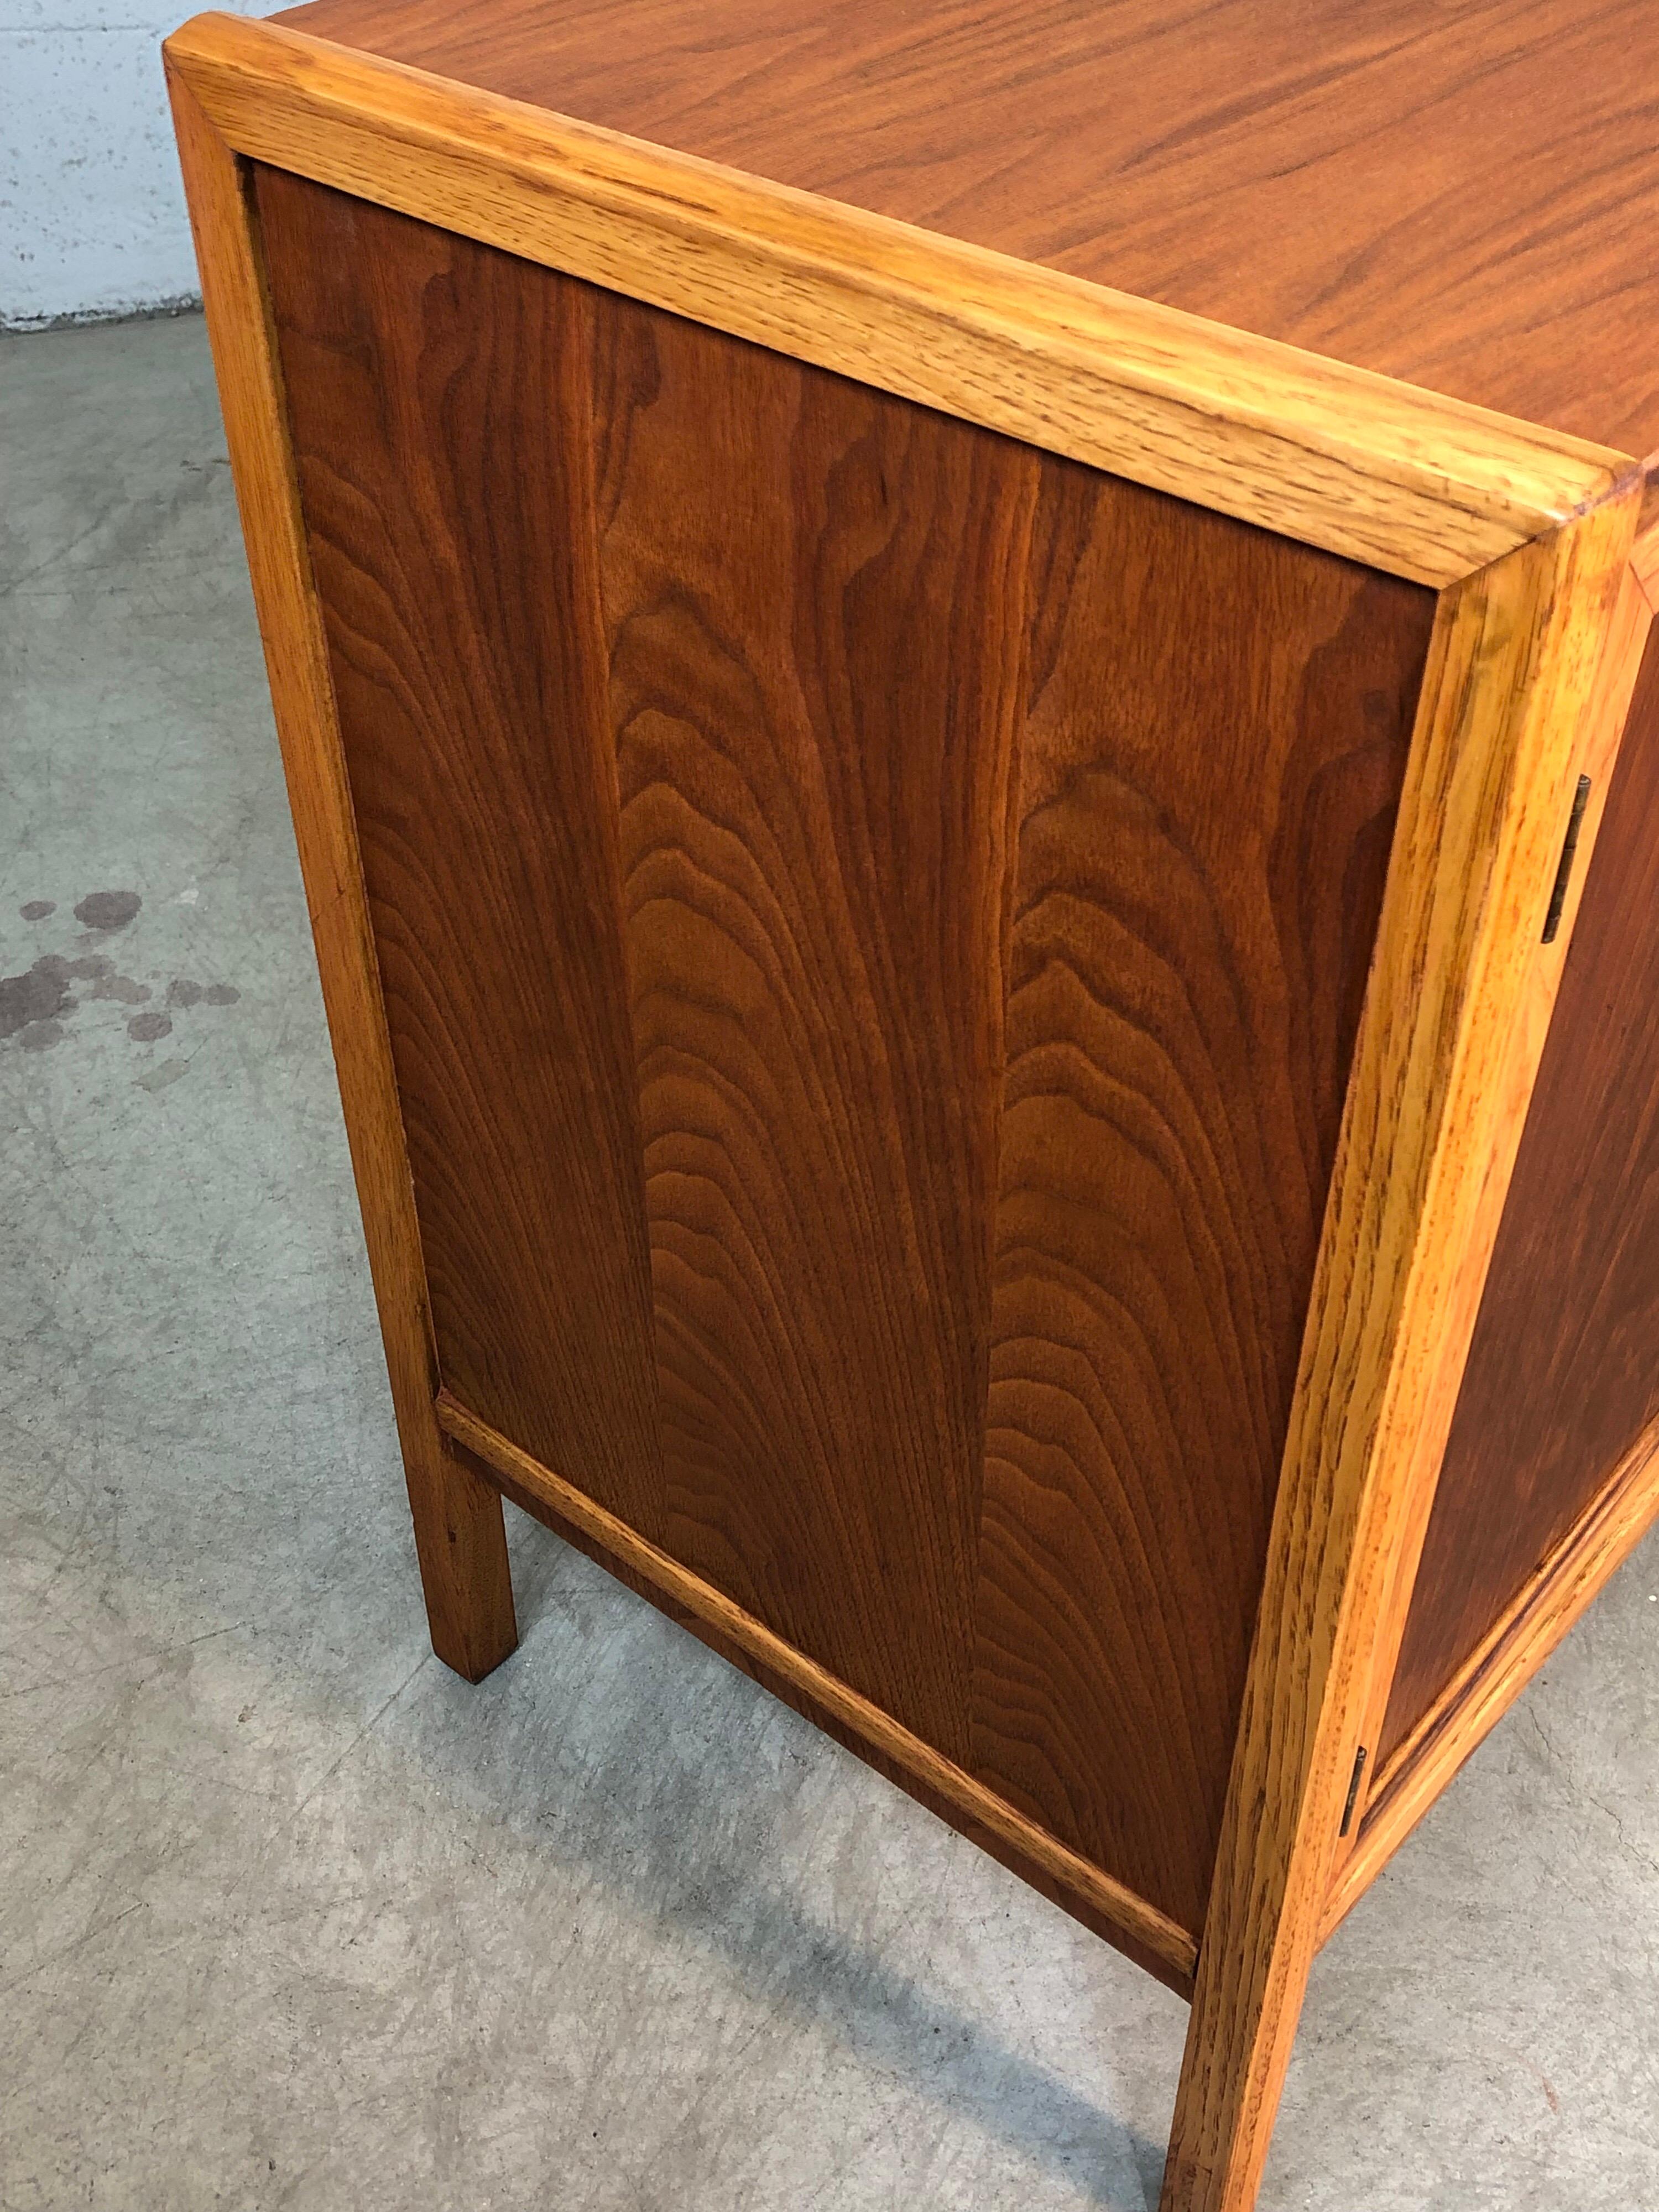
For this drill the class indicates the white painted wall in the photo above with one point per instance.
(92, 218)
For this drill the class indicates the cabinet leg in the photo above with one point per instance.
(461, 1541)
(1245, 2009)
(459, 1531)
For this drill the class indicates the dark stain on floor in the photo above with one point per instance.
(181, 992)
(35, 1005)
(39, 995)
(111, 985)
(107, 909)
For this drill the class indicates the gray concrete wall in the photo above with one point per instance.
(92, 216)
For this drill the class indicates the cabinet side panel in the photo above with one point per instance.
(1213, 753)
(1563, 1374)
(815, 595)
(872, 920)
(441, 421)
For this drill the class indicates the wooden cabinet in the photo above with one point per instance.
(950, 707)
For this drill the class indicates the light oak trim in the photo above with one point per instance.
(1143, 1924)
(1418, 485)
(1601, 730)
(1444, 1069)
(1479, 1696)
(1644, 564)
(460, 1535)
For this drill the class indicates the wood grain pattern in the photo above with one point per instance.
(1424, 486)
(458, 1535)
(1172, 1964)
(1206, 813)
(1601, 727)
(1645, 553)
(1117, 1907)
(1519, 1642)
(816, 597)
(442, 423)
(692, 863)
(1564, 1369)
(1464, 197)
(722, 896)
(1442, 1072)
(739, 1035)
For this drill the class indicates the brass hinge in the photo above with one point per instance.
(1564, 873)
(1353, 1790)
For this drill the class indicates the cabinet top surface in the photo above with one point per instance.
(1461, 196)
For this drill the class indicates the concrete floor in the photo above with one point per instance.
(289, 1916)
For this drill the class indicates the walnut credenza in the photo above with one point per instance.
(953, 679)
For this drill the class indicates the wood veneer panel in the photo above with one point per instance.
(816, 602)
(797, 737)
(1104, 1905)
(1463, 198)
(1563, 1373)
(1214, 752)
(1174, 1975)
(441, 419)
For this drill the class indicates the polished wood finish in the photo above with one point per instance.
(1645, 554)
(941, 1030)
(1172, 1964)
(1461, 198)
(815, 597)
(1482, 1691)
(1116, 1908)
(1206, 812)
(1601, 733)
(459, 1533)
(1442, 1072)
(926, 872)
(1563, 1374)
(1421, 486)
(452, 544)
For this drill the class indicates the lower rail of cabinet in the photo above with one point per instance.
(1111, 1910)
